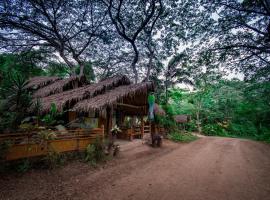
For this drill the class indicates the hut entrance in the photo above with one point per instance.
(130, 119)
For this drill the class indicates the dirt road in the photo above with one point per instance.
(209, 168)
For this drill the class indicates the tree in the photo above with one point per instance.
(130, 18)
(69, 28)
(240, 36)
(177, 71)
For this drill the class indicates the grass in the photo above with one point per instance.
(182, 137)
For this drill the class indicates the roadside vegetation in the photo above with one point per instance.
(228, 108)
(182, 137)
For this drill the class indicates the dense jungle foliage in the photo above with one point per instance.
(227, 108)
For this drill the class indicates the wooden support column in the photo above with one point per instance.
(142, 126)
(109, 116)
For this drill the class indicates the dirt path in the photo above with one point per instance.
(209, 168)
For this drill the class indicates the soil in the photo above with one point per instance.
(208, 168)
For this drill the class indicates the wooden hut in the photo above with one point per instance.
(112, 101)
(181, 120)
(98, 107)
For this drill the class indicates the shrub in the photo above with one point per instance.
(53, 159)
(182, 137)
(166, 121)
(191, 126)
(245, 129)
(264, 135)
(24, 166)
(4, 147)
(95, 152)
(214, 129)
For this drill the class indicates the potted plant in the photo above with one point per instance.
(115, 130)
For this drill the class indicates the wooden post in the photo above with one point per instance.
(142, 127)
(109, 113)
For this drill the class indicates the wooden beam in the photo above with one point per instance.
(130, 106)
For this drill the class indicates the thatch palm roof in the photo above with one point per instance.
(71, 97)
(40, 81)
(112, 97)
(181, 118)
(60, 86)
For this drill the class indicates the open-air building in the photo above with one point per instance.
(112, 101)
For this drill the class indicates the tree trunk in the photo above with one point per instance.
(134, 62)
(198, 122)
(109, 115)
(70, 65)
(81, 65)
(150, 63)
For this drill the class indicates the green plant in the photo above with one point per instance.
(214, 129)
(27, 127)
(167, 122)
(24, 166)
(243, 129)
(191, 126)
(263, 135)
(95, 152)
(50, 118)
(53, 159)
(46, 135)
(4, 147)
(115, 130)
(182, 137)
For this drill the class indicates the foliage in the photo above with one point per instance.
(4, 147)
(51, 118)
(214, 129)
(263, 135)
(23, 166)
(115, 130)
(95, 152)
(225, 108)
(53, 159)
(16, 100)
(191, 126)
(46, 135)
(182, 137)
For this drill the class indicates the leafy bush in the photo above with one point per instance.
(24, 166)
(95, 152)
(167, 122)
(264, 135)
(53, 159)
(191, 126)
(4, 147)
(214, 129)
(182, 137)
(246, 129)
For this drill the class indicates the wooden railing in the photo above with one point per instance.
(24, 145)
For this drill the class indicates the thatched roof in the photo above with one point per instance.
(181, 118)
(73, 96)
(112, 97)
(158, 110)
(40, 81)
(60, 86)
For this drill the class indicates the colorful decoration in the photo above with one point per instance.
(151, 102)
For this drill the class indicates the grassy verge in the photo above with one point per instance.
(182, 137)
